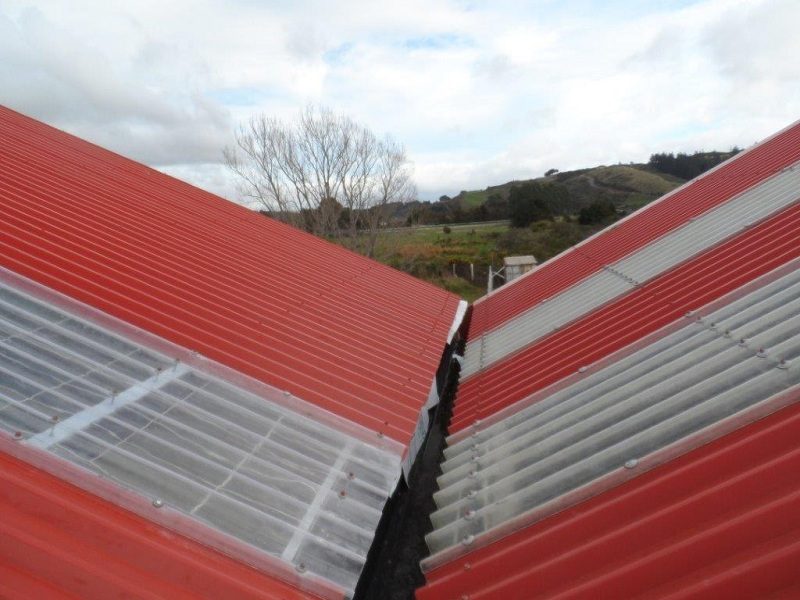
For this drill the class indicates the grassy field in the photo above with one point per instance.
(474, 198)
(442, 255)
(629, 187)
(430, 253)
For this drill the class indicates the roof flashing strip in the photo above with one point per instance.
(118, 413)
(423, 420)
(461, 311)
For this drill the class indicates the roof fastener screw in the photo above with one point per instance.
(631, 463)
(743, 342)
(158, 503)
(287, 393)
(783, 364)
(351, 475)
(472, 474)
(17, 435)
(342, 495)
(380, 434)
(761, 353)
(472, 493)
(300, 567)
(467, 566)
(467, 540)
(582, 369)
(469, 515)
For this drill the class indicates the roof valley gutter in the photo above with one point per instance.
(392, 570)
(436, 392)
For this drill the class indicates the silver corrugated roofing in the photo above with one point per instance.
(702, 374)
(616, 279)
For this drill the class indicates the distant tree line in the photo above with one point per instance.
(689, 166)
(524, 204)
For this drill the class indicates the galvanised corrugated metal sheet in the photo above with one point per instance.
(723, 363)
(614, 280)
(336, 329)
(720, 522)
(696, 282)
(707, 191)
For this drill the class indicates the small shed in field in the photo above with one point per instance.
(516, 266)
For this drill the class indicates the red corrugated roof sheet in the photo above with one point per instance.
(673, 210)
(700, 280)
(717, 522)
(57, 541)
(334, 328)
(722, 521)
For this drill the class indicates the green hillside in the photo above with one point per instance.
(454, 241)
(629, 187)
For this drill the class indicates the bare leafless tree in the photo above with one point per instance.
(323, 171)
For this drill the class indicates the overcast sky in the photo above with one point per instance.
(479, 92)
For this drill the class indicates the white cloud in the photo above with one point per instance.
(480, 92)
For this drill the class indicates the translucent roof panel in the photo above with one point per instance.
(267, 469)
(614, 280)
(689, 384)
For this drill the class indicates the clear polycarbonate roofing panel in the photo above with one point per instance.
(544, 318)
(620, 277)
(268, 473)
(752, 206)
(692, 381)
